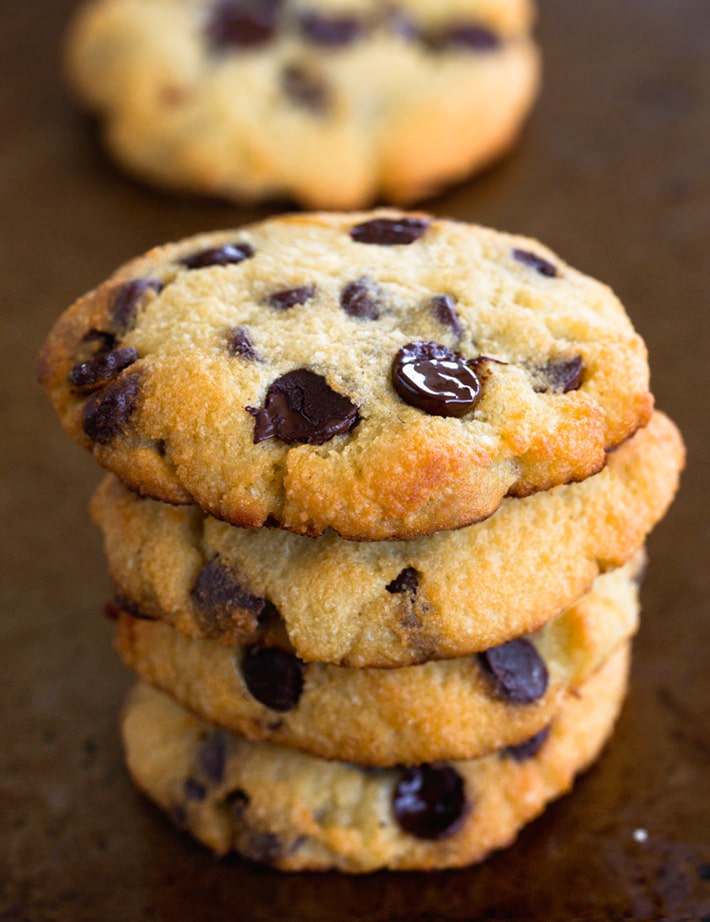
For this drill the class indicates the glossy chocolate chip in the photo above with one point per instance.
(305, 88)
(529, 748)
(389, 231)
(212, 757)
(221, 602)
(330, 31)
(533, 261)
(127, 299)
(273, 676)
(432, 378)
(469, 35)
(301, 407)
(429, 801)
(561, 375)
(290, 297)
(227, 255)
(102, 368)
(242, 23)
(516, 671)
(405, 581)
(444, 309)
(361, 298)
(239, 343)
(106, 413)
(194, 790)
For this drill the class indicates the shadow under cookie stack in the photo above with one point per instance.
(378, 496)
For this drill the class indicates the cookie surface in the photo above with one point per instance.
(296, 812)
(445, 595)
(383, 375)
(451, 709)
(333, 104)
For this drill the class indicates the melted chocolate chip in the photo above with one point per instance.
(429, 802)
(444, 309)
(331, 31)
(102, 368)
(389, 231)
(221, 602)
(106, 413)
(469, 35)
(212, 757)
(273, 676)
(194, 790)
(529, 748)
(533, 261)
(516, 670)
(239, 343)
(561, 375)
(227, 255)
(290, 297)
(301, 407)
(127, 299)
(406, 581)
(305, 88)
(242, 23)
(432, 378)
(361, 299)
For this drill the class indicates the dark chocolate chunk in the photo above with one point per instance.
(194, 790)
(469, 35)
(429, 801)
(226, 255)
(106, 413)
(432, 378)
(212, 757)
(221, 602)
(239, 343)
(290, 297)
(102, 368)
(516, 671)
(444, 309)
(273, 676)
(389, 231)
(533, 261)
(331, 31)
(529, 748)
(127, 300)
(361, 298)
(305, 88)
(406, 581)
(561, 375)
(301, 406)
(242, 23)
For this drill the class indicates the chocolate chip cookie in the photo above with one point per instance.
(385, 375)
(331, 105)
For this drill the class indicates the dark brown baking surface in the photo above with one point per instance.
(613, 173)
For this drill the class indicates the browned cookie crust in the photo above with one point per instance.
(297, 812)
(380, 374)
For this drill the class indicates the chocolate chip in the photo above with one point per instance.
(305, 88)
(533, 261)
(470, 35)
(106, 413)
(273, 676)
(221, 602)
(227, 255)
(98, 341)
(429, 801)
(102, 368)
(212, 757)
(389, 231)
(301, 407)
(127, 299)
(516, 670)
(194, 790)
(361, 299)
(560, 375)
(237, 801)
(432, 378)
(406, 581)
(239, 343)
(529, 748)
(290, 297)
(444, 309)
(242, 23)
(331, 31)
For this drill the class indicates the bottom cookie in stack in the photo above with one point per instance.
(299, 812)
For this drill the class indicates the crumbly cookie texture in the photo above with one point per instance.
(450, 709)
(445, 595)
(332, 104)
(382, 374)
(297, 812)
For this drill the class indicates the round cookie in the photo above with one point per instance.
(446, 595)
(297, 812)
(333, 104)
(450, 709)
(380, 374)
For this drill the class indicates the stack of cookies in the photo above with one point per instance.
(380, 486)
